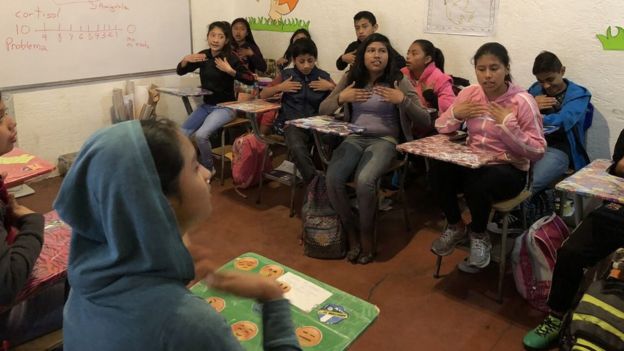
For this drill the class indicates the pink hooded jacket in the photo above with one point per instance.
(442, 85)
(518, 140)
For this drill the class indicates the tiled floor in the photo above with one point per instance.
(418, 312)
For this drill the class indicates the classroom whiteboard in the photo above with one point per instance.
(47, 41)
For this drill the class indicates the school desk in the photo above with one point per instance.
(251, 108)
(593, 180)
(185, 93)
(326, 125)
(51, 265)
(325, 318)
(21, 167)
(439, 147)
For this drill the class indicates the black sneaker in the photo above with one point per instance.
(514, 224)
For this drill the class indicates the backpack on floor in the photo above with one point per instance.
(322, 235)
(534, 256)
(247, 167)
(540, 205)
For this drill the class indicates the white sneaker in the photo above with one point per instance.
(480, 247)
(450, 237)
(466, 267)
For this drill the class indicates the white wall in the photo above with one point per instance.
(53, 121)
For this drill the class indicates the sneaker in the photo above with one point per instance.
(514, 225)
(385, 204)
(466, 267)
(445, 244)
(480, 247)
(544, 335)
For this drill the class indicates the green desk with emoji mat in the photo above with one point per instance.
(325, 318)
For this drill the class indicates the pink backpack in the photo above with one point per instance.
(534, 256)
(247, 168)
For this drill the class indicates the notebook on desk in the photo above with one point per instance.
(325, 318)
(22, 166)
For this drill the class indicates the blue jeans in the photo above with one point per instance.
(369, 158)
(204, 121)
(549, 168)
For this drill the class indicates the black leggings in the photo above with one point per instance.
(481, 187)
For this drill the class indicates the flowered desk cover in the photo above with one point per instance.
(594, 180)
(326, 124)
(51, 266)
(439, 147)
(325, 318)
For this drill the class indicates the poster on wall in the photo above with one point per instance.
(462, 17)
(275, 20)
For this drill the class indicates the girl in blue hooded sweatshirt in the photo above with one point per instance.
(132, 191)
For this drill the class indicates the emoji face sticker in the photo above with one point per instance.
(246, 263)
(285, 286)
(216, 302)
(271, 271)
(308, 336)
(244, 330)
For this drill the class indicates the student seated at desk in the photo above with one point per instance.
(21, 236)
(564, 105)
(375, 95)
(303, 88)
(365, 24)
(502, 118)
(285, 61)
(218, 68)
(425, 70)
(244, 46)
(128, 266)
(585, 247)
(18, 249)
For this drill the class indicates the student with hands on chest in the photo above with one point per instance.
(501, 118)
(376, 96)
(218, 68)
(303, 89)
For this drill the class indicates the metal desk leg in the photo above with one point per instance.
(578, 209)
(319, 147)
(187, 104)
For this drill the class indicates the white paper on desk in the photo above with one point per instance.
(303, 294)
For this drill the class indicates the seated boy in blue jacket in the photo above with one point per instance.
(564, 106)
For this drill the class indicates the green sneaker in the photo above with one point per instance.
(544, 335)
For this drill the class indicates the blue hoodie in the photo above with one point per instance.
(571, 117)
(128, 267)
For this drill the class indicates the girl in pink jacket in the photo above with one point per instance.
(425, 70)
(501, 118)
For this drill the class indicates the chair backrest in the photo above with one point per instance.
(459, 83)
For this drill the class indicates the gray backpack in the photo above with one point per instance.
(322, 235)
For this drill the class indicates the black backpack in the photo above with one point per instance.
(322, 235)
(597, 322)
